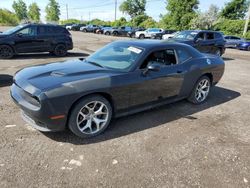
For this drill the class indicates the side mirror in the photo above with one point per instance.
(19, 34)
(155, 67)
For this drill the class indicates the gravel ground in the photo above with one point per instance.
(178, 145)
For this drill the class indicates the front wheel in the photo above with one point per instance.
(201, 90)
(6, 52)
(90, 117)
(218, 52)
(60, 50)
(142, 36)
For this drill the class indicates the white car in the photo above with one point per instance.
(147, 33)
(167, 36)
(69, 27)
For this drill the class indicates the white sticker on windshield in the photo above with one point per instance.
(135, 50)
(194, 33)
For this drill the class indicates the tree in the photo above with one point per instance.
(133, 7)
(180, 13)
(7, 18)
(20, 9)
(52, 11)
(34, 12)
(235, 9)
(207, 19)
(149, 23)
(136, 21)
(121, 22)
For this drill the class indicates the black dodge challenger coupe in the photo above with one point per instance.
(123, 77)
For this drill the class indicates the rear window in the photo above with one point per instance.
(210, 36)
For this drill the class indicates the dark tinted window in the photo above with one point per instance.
(183, 55)
(42, 30)
(217, 35)
(201, 36)
(235, 38)
(210, 36)
(28, 31)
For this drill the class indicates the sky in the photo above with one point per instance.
(104, 9)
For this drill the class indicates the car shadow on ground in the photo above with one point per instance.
(227, 58)
(5, 80)
(47, 55)
(151, 118)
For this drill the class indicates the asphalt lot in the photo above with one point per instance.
(178, 145)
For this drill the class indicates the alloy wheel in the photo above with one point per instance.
(92, 118)
(202, 90)
(6, 52)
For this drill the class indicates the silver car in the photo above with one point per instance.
(233, 41)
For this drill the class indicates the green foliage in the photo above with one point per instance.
(136, 21)
(20, 9)
(231, 27)
(53, 11)
(71, 21)
(180, 13)
(235, 9)
(149, 23)
(133, 7)
(206, 20)
(34, 12)
(7, 18)
(247, 36)
(121, 22)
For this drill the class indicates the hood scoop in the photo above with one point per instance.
(57, 74)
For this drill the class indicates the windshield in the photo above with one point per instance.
(13, 30)
(116, 56)
(189, 35)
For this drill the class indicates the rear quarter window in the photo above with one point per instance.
(219, 36)
(183, 55)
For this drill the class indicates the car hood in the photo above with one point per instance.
(44, 77)
(189, 42)
(3, 35)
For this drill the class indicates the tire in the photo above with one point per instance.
(248, 49)
(218, 52)
(142, 36)
(107, 33)
(84, 30)
(60, 50)
(83, 118)
(133, 36)
(6, 52)
(115, 34)
(197, 98)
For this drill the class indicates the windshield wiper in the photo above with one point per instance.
(94, 63)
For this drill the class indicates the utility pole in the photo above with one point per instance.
(115, 9)
(247, 22)
(67, 11)
(89, 15)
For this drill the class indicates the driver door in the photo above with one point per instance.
(150, 86)
(25, 40)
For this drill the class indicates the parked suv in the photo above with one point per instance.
(121, 31)
(30, 38)
(205, 41)
(160, 35)
(89, 28)
(233, 41)
(147, 33)
(76, 27)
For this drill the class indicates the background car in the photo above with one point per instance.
(121, 31)
(205, 41)
(76, 27)
(29, 38)
(233, 41)
(122, 78)
(107, 31)
(100, 30)
(89, 28)
(168, 36)
(68, 26)
(244, 45)
(131, 33)
(147, 33)
(160, 34)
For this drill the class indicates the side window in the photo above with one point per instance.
(201, 36)
(217, 36)
(235, 38)
(210, 36)
(122, 28)
(183, 55)
(42, 30)
(28, 31)
(164, 57)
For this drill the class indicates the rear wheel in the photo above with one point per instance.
(115, 33)
(6, 52)
(218, 52)
(60, 50)
(201, 90)
(90, 117)
(141, 36)
(107, 33)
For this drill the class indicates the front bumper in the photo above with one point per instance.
(38, 117)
